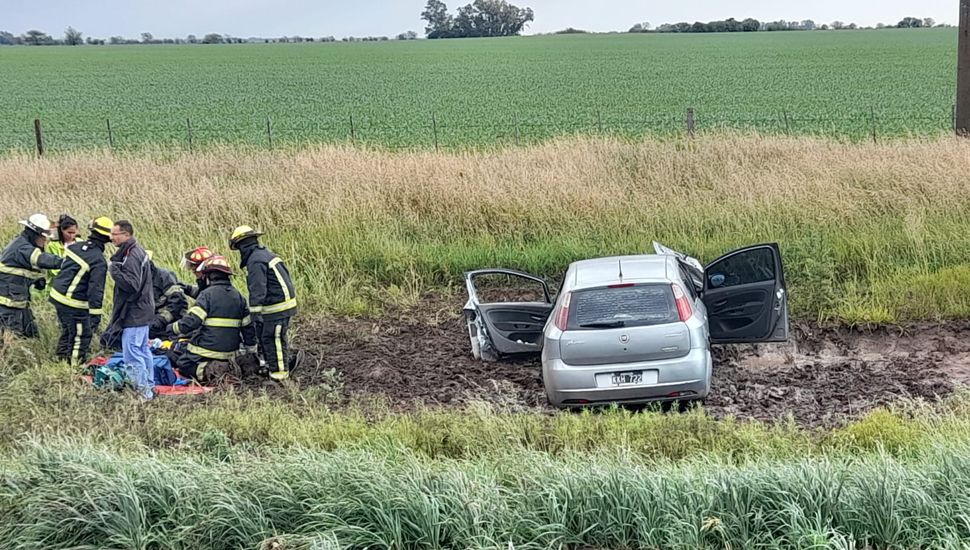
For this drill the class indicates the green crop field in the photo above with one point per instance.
(481, 92)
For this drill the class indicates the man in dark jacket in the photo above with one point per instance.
(218, 322)
(77, 292)
(21, 267)
(272, 298)
(134, 306)
(170, 301)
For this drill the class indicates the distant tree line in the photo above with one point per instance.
(481, 18)
(753, 25)
(73, 37)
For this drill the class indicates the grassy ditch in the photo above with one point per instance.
(78, 496)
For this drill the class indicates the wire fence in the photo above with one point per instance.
(51, 135)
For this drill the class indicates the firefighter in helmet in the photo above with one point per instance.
(22, 265)
(272, 298)
(218, 322)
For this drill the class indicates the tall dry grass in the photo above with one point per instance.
(870, 232)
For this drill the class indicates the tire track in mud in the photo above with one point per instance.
(421, 357)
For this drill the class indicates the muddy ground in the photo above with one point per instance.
(421, 357)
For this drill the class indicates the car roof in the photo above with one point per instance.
(605, 271)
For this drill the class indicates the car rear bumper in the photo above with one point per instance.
(684, 378)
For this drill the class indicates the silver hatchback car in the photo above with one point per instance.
(634, 329)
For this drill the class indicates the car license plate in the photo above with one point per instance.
(627, 378)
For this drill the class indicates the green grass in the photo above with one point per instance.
(898, 82)
(71, 495)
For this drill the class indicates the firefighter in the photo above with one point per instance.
(77, 292)
(170, 301)
(191, 260)
(272, 298)
(21, 266)
(219, 321)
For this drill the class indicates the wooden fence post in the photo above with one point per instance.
(188, 129)
(690, 122)
(515, 119)
(269, 131)
(111, 139)
(434, 127)
(872, 119)
(39, 136)
(353, 130)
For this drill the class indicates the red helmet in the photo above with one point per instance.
(193, 258)
(215, 264)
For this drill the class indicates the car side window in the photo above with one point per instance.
(744, 268)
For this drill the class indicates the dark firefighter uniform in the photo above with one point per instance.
(272, 301)
(170, 301)
(219, 321)
(21, 265)
(77, 293)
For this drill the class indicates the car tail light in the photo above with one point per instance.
(683, 303)
(563, 315)
(621, 285)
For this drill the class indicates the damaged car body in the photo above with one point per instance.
(634, 329)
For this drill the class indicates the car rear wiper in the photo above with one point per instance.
(604, 324)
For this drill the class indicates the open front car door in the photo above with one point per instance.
(502, 319)
(746, 296)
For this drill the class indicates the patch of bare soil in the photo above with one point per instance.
(421, 357)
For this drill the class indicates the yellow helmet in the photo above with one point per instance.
(101, 226)
(240, 234)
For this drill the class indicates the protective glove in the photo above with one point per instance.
(40, 284)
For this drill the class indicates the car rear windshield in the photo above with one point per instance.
(631, 306)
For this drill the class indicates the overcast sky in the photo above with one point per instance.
(272, 18)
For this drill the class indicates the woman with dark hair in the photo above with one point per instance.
(64, 234)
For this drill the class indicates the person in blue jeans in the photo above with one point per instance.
(134, 306)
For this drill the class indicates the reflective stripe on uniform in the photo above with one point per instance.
(174, 289)
(77, 280)
(98, 311)
(256, 309)
(279, 277)
(16, 304)
(208, 353)
(279, 347)
(69, 302)
(277, 308)
(20, 272)
(247, 320)
(76, 352)
(222, 322)
(198, 312)
(34, 256)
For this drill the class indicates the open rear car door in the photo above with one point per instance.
(502, 322)
(746, 297)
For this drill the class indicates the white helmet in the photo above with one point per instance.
(38, 223)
